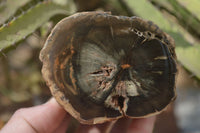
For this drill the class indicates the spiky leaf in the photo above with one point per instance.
(9, 7)
(29, 22)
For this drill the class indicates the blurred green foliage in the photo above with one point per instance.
(9, 7)
(17, 29)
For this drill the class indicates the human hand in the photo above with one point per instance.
(51, 118)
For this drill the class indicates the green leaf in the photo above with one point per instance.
(144, 9)
(192, 6)
(9, 8)
(29, 22)
(181, 15)
(189, 57)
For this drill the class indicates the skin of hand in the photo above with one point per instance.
(51, 118)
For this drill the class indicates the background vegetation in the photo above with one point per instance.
(25, 24)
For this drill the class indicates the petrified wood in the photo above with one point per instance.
(101, 67)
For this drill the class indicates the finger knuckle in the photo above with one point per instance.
(20, 112)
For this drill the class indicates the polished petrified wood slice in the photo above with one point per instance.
(101, 67)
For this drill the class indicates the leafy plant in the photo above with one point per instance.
(25, 24)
